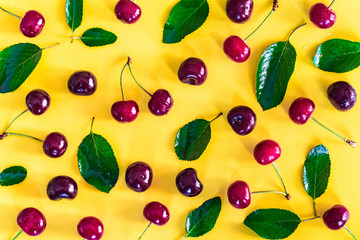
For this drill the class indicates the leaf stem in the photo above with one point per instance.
(267, 17)
(92, 123)
(18, 234)
(145, 231)
(332, 3)
(12, 14)
(132, 74)
(295, 30)
(24, 135)
(282, 193)
(350, 232)
(184, 237)
(51, 46)
(310, 219)
(348, 141)
(77, 38)
(7, 129)
(288, 197)
(121, 80)
(314, 205)
(220, 114)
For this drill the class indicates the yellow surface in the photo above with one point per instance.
(151, 139)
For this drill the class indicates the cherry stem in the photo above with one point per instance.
(288, 197)
(220, 114)
(310, 219)
(132, 74)
(51, 46)
(12, 14)
(145, 231)
(92, 123)
(121, 81)
(295, 30)
(282, 193)
(7, 129)
(348, 141)
(18, 234)
(24, 135)
(332, 3)
(350, 232)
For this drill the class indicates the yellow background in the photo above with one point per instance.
(151, 139)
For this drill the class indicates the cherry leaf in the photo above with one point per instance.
(74, 13)
(12, 175)
(96, 37)
(272, 223)
(16, 64)
(317, 171)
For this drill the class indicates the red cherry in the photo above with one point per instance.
(267, 151)
(336, 217)
(236, 49)
(322, 16)
(301, 109)
(239, 194)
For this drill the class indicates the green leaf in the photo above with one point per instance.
(317, 171)
(274, 70)
(97, 162)
(12, 175)
(185, 17)
(338, 55)
(95, 37)
(202, 220)
(74, 12)
(16, 64)
(272, 223)
(192, 139)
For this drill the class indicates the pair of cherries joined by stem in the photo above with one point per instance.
(265, 152)
(127, 111)
(31, 24)
(127, 11)
(37, 102)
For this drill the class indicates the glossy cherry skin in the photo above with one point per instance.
(236, 49)
(239, 11)
(37, 101)
(239, 194)
(32, 24)
(188, 184)
(242, 120)
(342, 95)
(139, 176)
(322, 16)
(301, 109)
(31, 221)
(82, 83)
(125, 111)
(55, 145)
(160, 103)
(192, 71)
(127, 11)
(336, 217)
(156, 213)
(90, 228)
(62, 187)
(267, 151)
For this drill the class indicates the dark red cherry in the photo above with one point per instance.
(242, 120)
(90, 228)
(192, 71)
(138, 176)
(342, 95)
(31, 221)
(82, 83)
(239, 194)
(125, 111)
(32, 24)
(267, 151)
(160, 103)
(236, 49)
(336, 217)
(127, 11)
(37, 101)
(55, 145)
(156, 213)
(239, 11)
(301, 109)
(188, 183)
(322, 16)
(62, 187)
